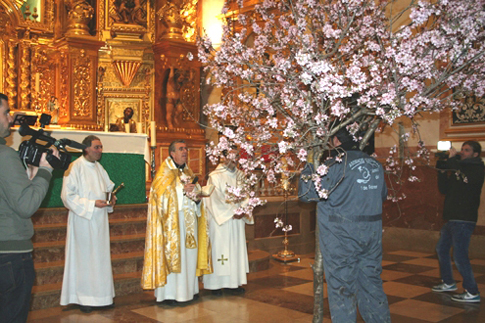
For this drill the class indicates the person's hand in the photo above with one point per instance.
(43, 159)
(453, 152)
(238, 216)
(113, 200)
(189, 187)
(101, 203)
(32, 171)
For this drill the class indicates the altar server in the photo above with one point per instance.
(227, 231)
(88, 277)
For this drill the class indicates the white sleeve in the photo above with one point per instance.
(70, 194)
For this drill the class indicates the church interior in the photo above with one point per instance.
(86, 62)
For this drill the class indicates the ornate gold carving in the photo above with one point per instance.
(188, 89)
(50, 15)
(189, 96)
(163, 61)
(43, 68)
(471, 109)
(126, 70)
(127, 32)
(179, 18)
(25, 77)
(129, 12)
(80, 13)
(102, 20)
(128, 19)
(11, 85)
(170, 16)
(100, 97)
(82, 86)
(64, 83)
(189, 15)
(4, 21)
(151, 25)
(127, 52)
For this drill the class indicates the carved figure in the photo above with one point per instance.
(174, 105)
(130, 12)
(54, 109)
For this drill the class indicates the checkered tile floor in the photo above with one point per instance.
(284, 293)
(408, 277)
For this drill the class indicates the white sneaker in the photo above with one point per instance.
(466, 297)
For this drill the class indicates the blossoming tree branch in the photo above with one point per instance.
(294, 72)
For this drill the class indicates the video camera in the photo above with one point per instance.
(30, 151)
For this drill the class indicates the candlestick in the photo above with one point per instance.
(139, 128)
(153, 134)
(153, 164)
(127, 127)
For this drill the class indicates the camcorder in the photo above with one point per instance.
(31, 151)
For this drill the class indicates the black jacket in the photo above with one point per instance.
(461, 181)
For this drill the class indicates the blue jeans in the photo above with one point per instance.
(16, 279)
(458, 235)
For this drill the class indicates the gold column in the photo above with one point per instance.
(78, 69)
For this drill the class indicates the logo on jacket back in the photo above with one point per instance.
(368, 169)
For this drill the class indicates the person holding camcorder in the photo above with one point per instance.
(21, 193)
(460, 179)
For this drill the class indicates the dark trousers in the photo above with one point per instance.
(458, 235)
(16, 279)
(352, 260)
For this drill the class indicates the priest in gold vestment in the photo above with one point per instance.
(177, 247)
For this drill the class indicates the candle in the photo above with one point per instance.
(37, 82)
(153, 134)
(139, 129)
(127, 127)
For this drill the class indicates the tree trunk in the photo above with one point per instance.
(317, 281)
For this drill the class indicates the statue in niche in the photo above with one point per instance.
(54, 109)
(130, 12)
(174, 106)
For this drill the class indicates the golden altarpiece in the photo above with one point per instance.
(85, 61)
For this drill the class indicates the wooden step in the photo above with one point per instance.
(119, 226)
(59, 215)
(52, 251)
(52, 272)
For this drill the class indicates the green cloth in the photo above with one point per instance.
(121, 168)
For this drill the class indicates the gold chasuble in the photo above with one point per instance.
(162, 243)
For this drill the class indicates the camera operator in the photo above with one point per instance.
(20, 197)
(460, 178)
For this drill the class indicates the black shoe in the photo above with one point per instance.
(85, 309)
(238, 290)
(170, 302)
(217, 292)
(196, 297)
